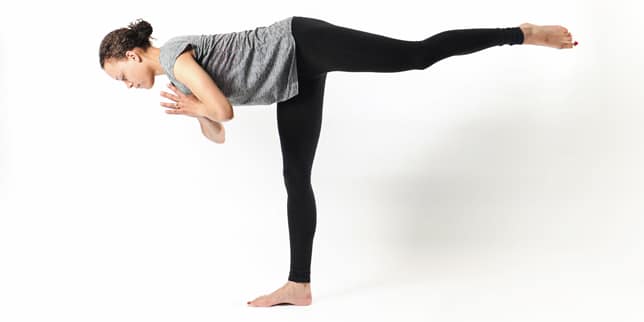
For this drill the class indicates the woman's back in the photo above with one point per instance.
(251, 67)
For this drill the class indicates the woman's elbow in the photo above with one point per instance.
(225, 114)
(219, 114)
(227, 117)
(228, 113)
(225, 110)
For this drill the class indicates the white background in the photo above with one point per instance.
(505, 185)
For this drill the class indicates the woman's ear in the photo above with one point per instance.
(133, 55)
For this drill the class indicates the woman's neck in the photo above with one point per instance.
(152, 56)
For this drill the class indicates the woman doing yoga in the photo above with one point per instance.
(286, 63)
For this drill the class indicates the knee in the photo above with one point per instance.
(419, 58)
(296, 179)
(428, 53)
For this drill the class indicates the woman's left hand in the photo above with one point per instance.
(183, 104)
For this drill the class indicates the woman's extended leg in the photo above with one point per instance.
(324, 47)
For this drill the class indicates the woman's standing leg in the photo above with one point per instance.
(299, 121)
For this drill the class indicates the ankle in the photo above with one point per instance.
(299, 284)
(528, 31)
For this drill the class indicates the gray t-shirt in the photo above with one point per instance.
(251, 67)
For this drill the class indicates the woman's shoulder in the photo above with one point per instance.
(179, 41)
(173, 48)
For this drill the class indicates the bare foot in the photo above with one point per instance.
(291, 293)
(549, 36)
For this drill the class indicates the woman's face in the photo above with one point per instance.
(132, 70)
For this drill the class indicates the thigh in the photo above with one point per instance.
(324, 47)
(299, 120)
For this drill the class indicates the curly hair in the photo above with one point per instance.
(116, 43)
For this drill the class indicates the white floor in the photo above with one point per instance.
(156, 266)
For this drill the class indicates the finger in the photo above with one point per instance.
(174, 112)
(169, 105)
(169, 96)
(175, 90)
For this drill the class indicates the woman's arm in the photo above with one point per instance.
(212, 130)
(216, 106)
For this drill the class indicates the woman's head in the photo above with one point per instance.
(123, 55)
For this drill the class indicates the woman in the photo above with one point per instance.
(286, 63)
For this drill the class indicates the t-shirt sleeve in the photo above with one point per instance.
(168, 56)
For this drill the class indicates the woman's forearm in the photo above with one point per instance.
(213, 130)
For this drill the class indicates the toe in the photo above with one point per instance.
(257, 301)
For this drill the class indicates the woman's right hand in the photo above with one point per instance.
(183, 104)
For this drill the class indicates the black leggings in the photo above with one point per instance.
(322, 47)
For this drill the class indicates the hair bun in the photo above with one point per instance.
(142, 28)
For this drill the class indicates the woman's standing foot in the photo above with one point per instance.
(550, 36)
(291, 293)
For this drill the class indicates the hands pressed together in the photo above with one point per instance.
(183, 104)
